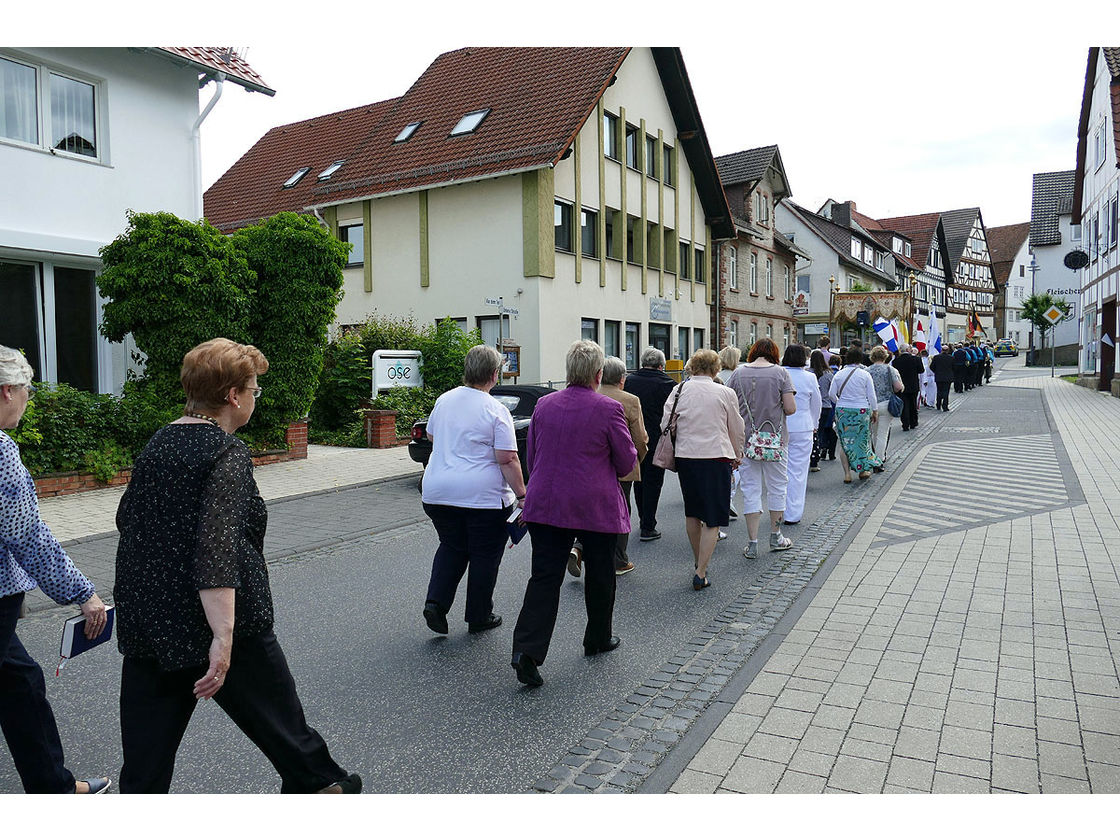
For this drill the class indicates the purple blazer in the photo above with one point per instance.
(578, 447)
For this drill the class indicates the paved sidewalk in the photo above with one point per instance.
(82, 515)
(970, 658)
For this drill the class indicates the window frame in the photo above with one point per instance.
(684, 262)
(632, 131)
(752, 275)
(668, 165)
(770, 277)
(344, 236)
(43, 108)
(558, 226)
(651, 165)
(463, 127)
(699, 266)
(589, 221)
(610, 136)
(733, 268)
(406, 133)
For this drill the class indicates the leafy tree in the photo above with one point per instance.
(1034, 307)
(173, 284)
(296, 267)
(444, 348)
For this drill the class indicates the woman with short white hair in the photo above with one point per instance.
(31, 557)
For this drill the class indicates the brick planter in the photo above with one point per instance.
(381, 429)
(63, 484)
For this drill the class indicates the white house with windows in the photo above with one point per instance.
(1096, 199)
(86, 134)
(575, 185)
(1052, 237)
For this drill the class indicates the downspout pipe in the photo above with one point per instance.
(196, 140)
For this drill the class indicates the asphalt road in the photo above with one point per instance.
(410, 711)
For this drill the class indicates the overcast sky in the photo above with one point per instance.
(898, 111)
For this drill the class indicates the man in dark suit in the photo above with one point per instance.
(960, 368)
(910, 368)
(651, 385)
(942, 367)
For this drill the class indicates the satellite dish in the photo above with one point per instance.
(1076, 259)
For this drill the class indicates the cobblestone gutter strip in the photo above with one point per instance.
(625, 747)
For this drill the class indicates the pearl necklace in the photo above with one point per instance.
(198, 416)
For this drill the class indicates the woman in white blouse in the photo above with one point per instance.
(856, 407)
(800, 426)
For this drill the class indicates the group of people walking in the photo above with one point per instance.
(194, 610)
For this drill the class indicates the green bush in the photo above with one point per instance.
(411, 404)
(64, 425)
(343, 384)
(297, 266)
(445, 349)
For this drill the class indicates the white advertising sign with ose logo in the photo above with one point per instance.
(395, 369)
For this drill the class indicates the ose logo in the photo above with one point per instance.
(400, 371)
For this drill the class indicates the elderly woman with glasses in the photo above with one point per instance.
(31, 557)
(194, 606)
(471, 483)
(579, 447)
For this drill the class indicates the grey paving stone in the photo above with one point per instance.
(786, 722)
(1061, 760)
(1055, 708)
(963, 766)
(858, 775)
(795, 782)
(946, 782)
(923, 717)
(1062, 784)
(880, 713)
(770, 747)
(753, 775)
(977, 681)
(1017, 741)
(1104, 778)
(804, 701)
(737, 728)
(933, 700)
(755, 704)
(1015, 712)
(716, 756)
(1016, 773)
(1100, 748)
(892, 691)
(853, 746)
(911, 773)
(844, 694)
(692, 781)
(834, 717)
(969, 715)
(812, 762)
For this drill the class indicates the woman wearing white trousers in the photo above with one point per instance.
(800, 426)
(887, 381)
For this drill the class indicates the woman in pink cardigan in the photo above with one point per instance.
(578, 447)
(709, 445)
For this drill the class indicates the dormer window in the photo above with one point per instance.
(326, 174)
(295, 179)
(406, 132)
(469, 122)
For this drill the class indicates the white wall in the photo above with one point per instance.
(1054, 278)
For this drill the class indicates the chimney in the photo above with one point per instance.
(842, 214)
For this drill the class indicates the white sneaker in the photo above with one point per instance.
(722, 535)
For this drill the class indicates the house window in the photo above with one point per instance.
(1112, 219)
(632, 150)
(667, 165)
(610, 135)
(852, 280)
(908, 248)
(785, 337)
(611, 246)
(297, 176)
(653, 246)
(589, 233)
(733, 268)
(589, 329)
(631, 357)
(70, 123)
(326, 174)
(770, 331)
(868, 255)
(753, 334)
(489, 326)
(1075, 233)
(685, 263)
(753, 273)
(682, 342)
(880, 260)
(769, 277)
(611, 337)
(651, 156)
(697, 339)
(355, 235)
(563, 223)
(1100, 144)
(733, 334)
(761, 208)
(406, 132)
(659, 338)
(788, 282)
(856, 248)
(469, 122)
(633, 248)
(896, 244)
(699, 265)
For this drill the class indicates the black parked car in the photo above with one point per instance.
(519, 399)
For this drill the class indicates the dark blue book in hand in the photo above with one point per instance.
(74, 639)
(515, 527)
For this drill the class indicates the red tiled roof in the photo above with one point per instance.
(920, 230)
(252, 189)
(538, 100)
(223, 59)
(884, 236)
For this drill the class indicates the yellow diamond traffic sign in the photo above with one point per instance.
(1053, 314)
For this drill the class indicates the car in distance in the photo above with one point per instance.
(519, 399)
(1005, 347)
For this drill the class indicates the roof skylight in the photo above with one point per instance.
(470, 122)
(291, 182)
(330, 170)
(407, 132)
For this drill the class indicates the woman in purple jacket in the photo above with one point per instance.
(578, 448)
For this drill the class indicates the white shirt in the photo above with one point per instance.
(859, 393)
(808, 398)
(466, 426)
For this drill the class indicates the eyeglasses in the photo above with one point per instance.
(256, 392)
(31, 390)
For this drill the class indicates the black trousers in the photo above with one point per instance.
(260, 697)
(537, 620)
(978, 375)
(824, 440)
(909, 410)
(943, 395)
(469, 538)
(647, 492)
(25, 714)
(959, 379)
(621, 556)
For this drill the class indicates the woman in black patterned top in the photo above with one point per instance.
(192, 526)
